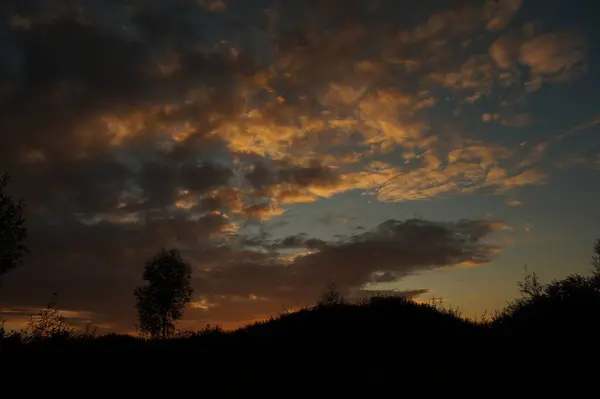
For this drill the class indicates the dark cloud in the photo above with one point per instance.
(400, 248)
(394, 249)
(265, 240)
(300, 241)
(94, 96)
(133, 125)
(262, 176)
(95, 268)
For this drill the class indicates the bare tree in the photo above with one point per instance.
(162, 300)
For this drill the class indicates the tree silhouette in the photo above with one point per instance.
(596, 258)
(331, 296)
(12, 229)
(161, 301)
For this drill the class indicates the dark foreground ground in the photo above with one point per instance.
(539, 342)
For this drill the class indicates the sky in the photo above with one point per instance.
(429, 149)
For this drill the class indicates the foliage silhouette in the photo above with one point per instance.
(12, 229)
(564, 309)
(162, 300)
(331, 296)
(48, 324)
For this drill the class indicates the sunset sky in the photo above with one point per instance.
(429, 148)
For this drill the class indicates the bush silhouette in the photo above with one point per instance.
(564, 308)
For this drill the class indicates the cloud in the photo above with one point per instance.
(527, 177)
(580, 127)
(503, 51)
(21, 318)
(214, 5)
(488, 117)
(547, 57)
(95, 268)
(394, 249)
(165, 94)
(554, 57)
(300, 241)
(464, 19)
(476, 74)
(292, 183)
(501, 12)
(536, 153)
(128, 127)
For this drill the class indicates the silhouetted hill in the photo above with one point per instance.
(365, 343)
(373, 322)
(377, 341)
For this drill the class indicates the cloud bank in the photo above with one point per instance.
(128, 126)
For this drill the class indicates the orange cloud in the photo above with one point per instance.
(501, 12)
(537, 152)
(502, 51)
(530, 176)
(476, 73)
(489, 117)
(554, 57)
(145, 132)
(214, 5)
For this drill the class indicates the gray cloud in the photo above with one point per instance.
(95, 268)
(395, 249)
(133, 125)
(293, 178)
